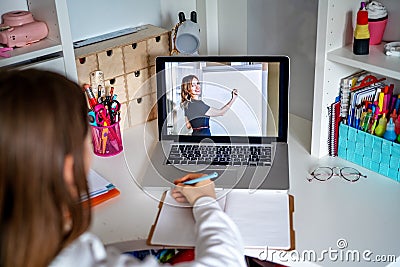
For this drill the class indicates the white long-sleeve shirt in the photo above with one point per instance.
(218, 243)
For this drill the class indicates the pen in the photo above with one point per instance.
(206, 177)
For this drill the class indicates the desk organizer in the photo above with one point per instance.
(370, 151)
(128, 63)
(107, 140)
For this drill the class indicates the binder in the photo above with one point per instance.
(266, 220)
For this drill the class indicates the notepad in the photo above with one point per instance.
(333, 135)
(264, 220)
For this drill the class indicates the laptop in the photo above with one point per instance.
(224, 114)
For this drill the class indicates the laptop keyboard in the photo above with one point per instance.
(220, 155)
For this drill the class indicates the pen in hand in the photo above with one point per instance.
(206, 177)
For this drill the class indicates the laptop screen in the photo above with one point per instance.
(223, 98)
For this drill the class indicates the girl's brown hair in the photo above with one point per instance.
(43, 119)
(186, 89)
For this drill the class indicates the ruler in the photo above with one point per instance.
(107, 36)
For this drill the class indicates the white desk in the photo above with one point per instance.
(366, 214)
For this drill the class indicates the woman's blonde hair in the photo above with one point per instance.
(186, 89)
(43, 119)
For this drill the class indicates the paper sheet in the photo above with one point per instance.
(98, 184)
(263, 218)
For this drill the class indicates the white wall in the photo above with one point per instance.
(171, 8)
(232, 27)
(287, 27)
(7, 6)
(267, 27)
(90, 18)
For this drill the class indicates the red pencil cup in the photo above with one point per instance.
(107, 140)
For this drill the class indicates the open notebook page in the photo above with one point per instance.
(263, 217)
(175, 224)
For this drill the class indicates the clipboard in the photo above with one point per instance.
(174, 228)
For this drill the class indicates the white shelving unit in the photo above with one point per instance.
(55, 52)
(335, 59)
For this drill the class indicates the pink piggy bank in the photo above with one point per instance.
(20, 29)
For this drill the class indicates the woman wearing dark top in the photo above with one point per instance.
(198, 113)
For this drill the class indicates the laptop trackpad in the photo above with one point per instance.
(227, 178)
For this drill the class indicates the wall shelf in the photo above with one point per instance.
(42, 48)
(376, 62)
(53, 53)
(335, 60)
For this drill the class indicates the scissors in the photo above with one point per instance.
(92, 118)
(113, 109)
(102, 118)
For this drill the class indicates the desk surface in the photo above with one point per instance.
(335, 220)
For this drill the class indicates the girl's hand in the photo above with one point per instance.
(190, 193)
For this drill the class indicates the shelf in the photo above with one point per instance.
(376, 62)
(140, 35)
(22, 54)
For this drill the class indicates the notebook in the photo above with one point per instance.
(100, 189)
(193, 135)
(263, 220)
(334, 121)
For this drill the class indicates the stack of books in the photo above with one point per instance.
(100, 189)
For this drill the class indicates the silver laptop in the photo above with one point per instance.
(224, 114)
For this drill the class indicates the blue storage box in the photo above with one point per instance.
(371, 152)
(367, 162)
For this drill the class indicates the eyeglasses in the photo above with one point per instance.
(325, 173)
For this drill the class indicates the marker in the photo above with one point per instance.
(206, 177)
(90, 96)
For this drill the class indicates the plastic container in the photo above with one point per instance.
(376, 31)
(107, 140)
(370, 151)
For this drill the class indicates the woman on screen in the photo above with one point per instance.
(198, 113)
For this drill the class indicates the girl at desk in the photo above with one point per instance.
(198, 113)
(45, 156)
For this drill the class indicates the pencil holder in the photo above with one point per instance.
(107, 140)
(370, 151)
